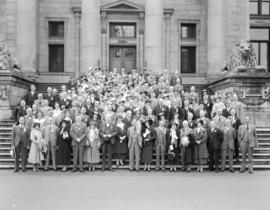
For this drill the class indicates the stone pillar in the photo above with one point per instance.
(216, 35)
(90, 34)
(77, 17)
(27, 34)
(153, 35)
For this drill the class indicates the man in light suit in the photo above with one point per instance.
(78, 132)
(50, 133)
(160, 145)
(134, 144)
(248, 140)
(20, 143)
(219, 119)
(227, 146)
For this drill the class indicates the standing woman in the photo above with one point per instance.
(64, 146)
(173, 142)
(92, 154)
(201, 153)
(120, 146)
(35, 154)
(148, 138)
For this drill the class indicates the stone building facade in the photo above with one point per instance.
(56, 39)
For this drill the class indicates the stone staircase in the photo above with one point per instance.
(261, 155)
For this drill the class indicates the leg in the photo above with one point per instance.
(110, 153)
(183, 158)
(104, 150)
(236, 148)
(223, 159)
(244, 153)
(231, 152)
(81, 155)
(131, 157)
(53, 149)
(250, 159)
(48, 157)
(162, 150)
(24, 157)
(17, 157)
(158, 157)
(75, 156)
(216, 159)
(137, 156)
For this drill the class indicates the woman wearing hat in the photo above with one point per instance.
(64, 146)
(120, 146)
(92, 154)
(37, 143)
(148, 138)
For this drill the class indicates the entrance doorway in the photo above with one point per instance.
(122, 57)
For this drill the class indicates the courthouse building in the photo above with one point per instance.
(56, 39)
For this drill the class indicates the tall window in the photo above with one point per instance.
(260, 38)
(260, 7)
(188, 47)
(56, 46)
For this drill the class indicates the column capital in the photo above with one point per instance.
(77, 11)
(167, 12)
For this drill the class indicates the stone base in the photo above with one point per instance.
(249, 88)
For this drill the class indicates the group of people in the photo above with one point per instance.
(146, 119)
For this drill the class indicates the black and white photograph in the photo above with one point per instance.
(134, 104)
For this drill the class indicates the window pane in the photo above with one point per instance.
(56, 28)
(253, 8)
(56, 58)
(122, 30)
(263, 58)
(188, 59)
(259, 34)
(256, 48)
(265, 8)
(188, 31)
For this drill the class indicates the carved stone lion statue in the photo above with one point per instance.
(6, 60)
(242, 56)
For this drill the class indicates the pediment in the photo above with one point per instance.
(122, 5)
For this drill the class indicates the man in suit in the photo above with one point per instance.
(219, 119)
(247, 137)
(227, 145)
(28, 119)
(161, 108)
(39, 101)
(31, 96)
(49, 97)
(237, 106)
(215, 138)
(107, 133)
(160, 145)
(50, 133)
(134, 144)
(235, 124)
(20, 143)
(64, 101)
(78, 132)
(21, 110)
(206, 121)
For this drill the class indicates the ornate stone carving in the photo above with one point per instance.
(3, 93)
(6, 60)
(242, 58)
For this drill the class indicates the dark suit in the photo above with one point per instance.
(215, 138)
(30, 98)
(107, 137)
(65, 102)
(162, 109)
(50, 99)
(20, 140)
(236, 124)
(78, 131)
(20, 112)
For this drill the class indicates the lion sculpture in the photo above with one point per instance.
(242, 56)
(6, 60)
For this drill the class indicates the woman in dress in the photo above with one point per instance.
(67, 118)
(57, 113)
(40, 119)
(120, 146)
(64, 146)
(148, 138)
(201, 153)
(92, 154)
(37, 143)
(173, 142)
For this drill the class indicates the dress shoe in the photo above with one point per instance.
(16, 170)
(242, 170)
(163, 170)
(24, 170)
(111, 170)
(251, 171)
(217, 170)
(156, 169)
(46, 169)
(74, 170)
(183, 169)
(231, 170)
(81, 170)
(149, 170)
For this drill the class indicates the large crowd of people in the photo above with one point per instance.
(149, 120)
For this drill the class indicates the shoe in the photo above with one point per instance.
(46, 169)
(74, 170)
(251, 171)
(156, 169)
(55, 169)
(111, 170)
(131, 169)
(198, 169)
(103, 169)
(148, 169)
(242, 170)
(183, 169)
(64, 169)
(201, 169)
(145, 169)
(24, 170)
(175, 169)
(93, 168)
(231, 170)
(188, 170)
(163, 170)
(81, 170)
(137, 170)
(16, 170)
(121, 163)
(222, 170)
(217, 170)
(171, 169)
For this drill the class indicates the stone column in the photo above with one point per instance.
(216, 35)
(90, 34)
(153, 35)
(77, 17)
(27, 34)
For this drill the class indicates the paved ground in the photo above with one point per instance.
(123, 190)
